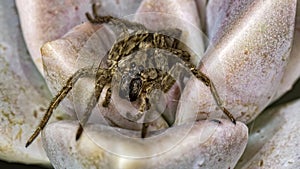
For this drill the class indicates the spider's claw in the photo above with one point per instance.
(229, 115)
(33, 136)
(89, 17)
(79, 132)
(233, 121)
(144, 130)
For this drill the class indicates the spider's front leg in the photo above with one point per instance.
(84, 72)
(103, 77)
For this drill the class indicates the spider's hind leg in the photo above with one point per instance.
(96, 19)
(124, 24)
(202, 77)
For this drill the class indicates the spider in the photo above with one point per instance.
(137, 82)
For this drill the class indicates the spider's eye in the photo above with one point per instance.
(141, 67)
(132, 65)
(131, 72)
(124, 78)
(135, 87)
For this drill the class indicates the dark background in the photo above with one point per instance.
(291, 95)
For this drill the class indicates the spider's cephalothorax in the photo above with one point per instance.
(154, 69)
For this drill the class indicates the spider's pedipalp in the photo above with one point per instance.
(84, 72)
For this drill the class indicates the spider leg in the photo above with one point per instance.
(169, 78)
(144, 106)
(165, 84)
(97, 19)
(84, 72)
(185, 56)
(144, 129)
(175, 33)
(202, 77)
(107, 97)
(102, 78)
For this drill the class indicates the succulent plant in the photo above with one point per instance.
(248, 48)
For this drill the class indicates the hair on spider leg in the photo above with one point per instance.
(84, 72)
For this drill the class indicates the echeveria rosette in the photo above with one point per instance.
(230, 18)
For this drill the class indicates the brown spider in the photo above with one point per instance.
(137, 82)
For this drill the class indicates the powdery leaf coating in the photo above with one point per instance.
(222, 14)
(16, 69)
(274, 139)
(201, 7)
(246, 63)
(23, 93)
(208, 144)
(44, 20)
(292, 72)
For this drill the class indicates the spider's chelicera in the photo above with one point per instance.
(152, 70)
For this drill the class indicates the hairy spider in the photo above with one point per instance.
(142, 77)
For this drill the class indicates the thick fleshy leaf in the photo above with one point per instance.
(23, 93)
(292, 72)
(246, 61)
(60, 59)
(221, 15)
(274, 139)
(201, 6)
(15, 71)
(44, 20)
(63, 57)
(207, 144)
